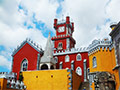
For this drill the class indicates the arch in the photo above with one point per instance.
(67, 58)
(79, 58)
(51, 67)
(94, 62)
(79, 71)
(44, 67)
(24, 65)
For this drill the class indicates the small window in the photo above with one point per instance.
(60, 45)
(79, 71)
(78, 57)
(24, 65)
(61, 65)
(56, 59)
(66, 58)
(72, 65)
(94, 62)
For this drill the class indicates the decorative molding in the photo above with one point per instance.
(73, 50)
(31, 43)
(98, 44)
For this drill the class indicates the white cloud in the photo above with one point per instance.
(87, 15)
(4, 62)
(45, 10)
(12, 30)
(112, 10)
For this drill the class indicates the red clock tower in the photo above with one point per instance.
(65, 53)
(63, 39)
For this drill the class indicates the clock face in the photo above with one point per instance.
(61, 29)
(79, 71)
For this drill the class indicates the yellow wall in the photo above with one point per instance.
(48, 80)
(105, 62)
(3, 83)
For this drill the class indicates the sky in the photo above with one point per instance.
(21, 19)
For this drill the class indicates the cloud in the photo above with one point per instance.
(112, 10)
(4, 62)
(12, 19)
(44, 10)
(87, 16)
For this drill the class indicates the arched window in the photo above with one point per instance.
(56, 59)
(60, 45)
(79, 57)
(24, 65)
(94, 62)
(79, 71)
(67, 58)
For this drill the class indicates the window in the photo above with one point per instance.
(60, 45)
(66, 58)
(56, 59)
(24, 65)
(72, 64)
(68, 43)
(79, 71)
(78, 57)
(94, 62)
(60, 65)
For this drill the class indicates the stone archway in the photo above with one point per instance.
(44, 67)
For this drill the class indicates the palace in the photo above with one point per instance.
(61, 65)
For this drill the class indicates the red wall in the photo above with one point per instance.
(84, 55)
(58, 41)
(26, 52)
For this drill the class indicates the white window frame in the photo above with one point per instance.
(94, 62)
(80, 71)
(67, 58)
(80, 57)
(68, 43)
(59, 46)
(72, 65)
(25, 62)
(56, 59)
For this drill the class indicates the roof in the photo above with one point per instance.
(31, 43)
(48, 52)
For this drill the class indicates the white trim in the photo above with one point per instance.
(31, 43)
(79, 71)
(77, 59)
(67, 58)
(24, 61)
(94, 62)
(56, 59)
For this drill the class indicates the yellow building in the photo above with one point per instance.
(102, 63)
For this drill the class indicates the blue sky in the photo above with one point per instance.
(21, 19)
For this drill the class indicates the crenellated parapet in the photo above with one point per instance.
(98, 45)
(8, 75)
(30, 42)
(73, 50)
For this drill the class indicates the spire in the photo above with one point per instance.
(48, 53)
